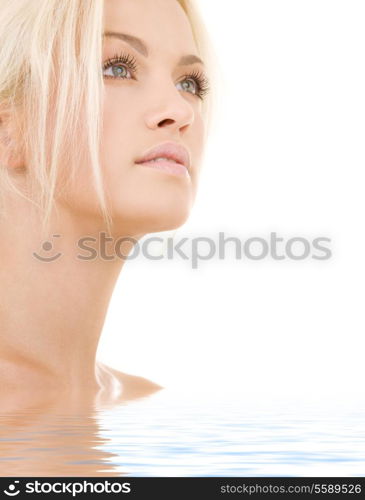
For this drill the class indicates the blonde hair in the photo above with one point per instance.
(51, 83)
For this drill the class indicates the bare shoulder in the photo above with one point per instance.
(134, 386)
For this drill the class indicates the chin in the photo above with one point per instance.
(172, 221)
(151, 220)
(152, 209)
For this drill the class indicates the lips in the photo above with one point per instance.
(168, 150)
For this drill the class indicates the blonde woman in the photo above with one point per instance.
(91, 92)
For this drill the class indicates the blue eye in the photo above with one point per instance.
(200, 84)
(185, 85)
(119, 65)
(118, 71)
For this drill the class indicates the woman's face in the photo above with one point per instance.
(149, 100)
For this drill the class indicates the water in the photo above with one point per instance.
(171, 434)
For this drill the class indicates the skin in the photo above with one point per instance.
(52, 314)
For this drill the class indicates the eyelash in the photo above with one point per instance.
(202, 82)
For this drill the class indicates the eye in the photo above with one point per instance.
(118, 71)
(197, 82)
(120, 66)
(193, 85)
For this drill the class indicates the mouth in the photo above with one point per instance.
(169, 157)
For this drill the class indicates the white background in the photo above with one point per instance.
(286, 155)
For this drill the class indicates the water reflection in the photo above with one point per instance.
(58, 433)
(183, 435)
(46, 444)
(169, 434)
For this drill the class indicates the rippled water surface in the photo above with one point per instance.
(171, 435)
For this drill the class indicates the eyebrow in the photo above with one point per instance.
(141, 47)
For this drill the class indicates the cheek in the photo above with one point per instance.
(116, 126)
(122, 134)
(196, 139)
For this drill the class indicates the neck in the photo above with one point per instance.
(52, 311)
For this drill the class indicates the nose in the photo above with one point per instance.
(169, 109)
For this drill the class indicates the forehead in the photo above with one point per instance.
(161, 24)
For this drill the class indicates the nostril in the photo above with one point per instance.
(167, 121)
